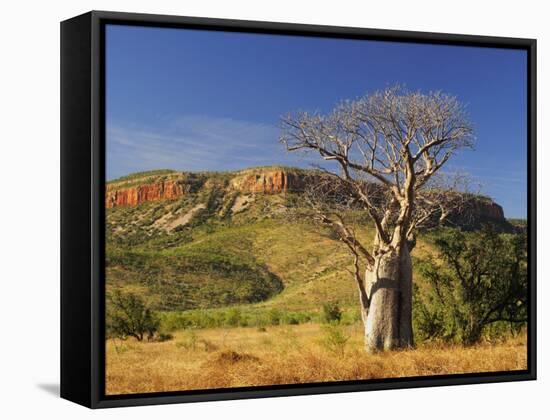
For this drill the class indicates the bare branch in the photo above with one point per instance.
(395, 140)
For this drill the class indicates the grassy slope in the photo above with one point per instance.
(260, 256)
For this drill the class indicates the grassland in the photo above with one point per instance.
(237, 357)
(241, 289)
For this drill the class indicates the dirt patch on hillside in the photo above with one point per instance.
(183, 219)
(241, 203)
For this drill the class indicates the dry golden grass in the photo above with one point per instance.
(220, 358)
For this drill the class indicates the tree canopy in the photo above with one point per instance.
(388, 146)
(481, 280)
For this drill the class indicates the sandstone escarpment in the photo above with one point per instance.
(144, 193)
(266, 181)
(269, 181)
(272, 180)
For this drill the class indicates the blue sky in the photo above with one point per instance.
(200, 100)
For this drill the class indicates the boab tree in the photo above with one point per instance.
(387, 148)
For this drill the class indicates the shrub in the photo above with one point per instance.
(332, 312)
(233, 317)
(482, 281)
(274, 316)
(127, 316)
(189, 341)
(334, 339)
(162, 337)
(290, 318)
(351, 316)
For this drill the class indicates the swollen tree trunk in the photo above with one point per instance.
(388, 323)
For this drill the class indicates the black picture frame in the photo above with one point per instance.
(83, 212)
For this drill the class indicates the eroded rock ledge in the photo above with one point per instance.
(248, 181)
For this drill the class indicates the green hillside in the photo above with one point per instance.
(218, 248)
(256, 255)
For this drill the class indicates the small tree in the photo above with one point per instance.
(127, 316)
(335, 339)
(482, 280)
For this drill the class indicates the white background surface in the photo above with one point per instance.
(29, 208)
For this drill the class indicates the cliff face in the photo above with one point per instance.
(491, 210)
(268, 182)
(133, 196)
(260, 181)
(477, 211)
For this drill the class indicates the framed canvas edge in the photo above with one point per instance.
(98, 399)
(310, 389)
(75, 205)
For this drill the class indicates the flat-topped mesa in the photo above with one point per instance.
(168, 189)
(269, 181)
(256, 180)
(478, 210)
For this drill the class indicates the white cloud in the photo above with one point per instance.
(193, 143)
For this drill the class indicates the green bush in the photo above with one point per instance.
(482, 281)
(291, 319)
(274, 316)
(127, 316)
(332, 312)
(233, 317)
(334, 339)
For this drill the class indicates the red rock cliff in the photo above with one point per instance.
(143, 193)
(269, 181)
(266, 181)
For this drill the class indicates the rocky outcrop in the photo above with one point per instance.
(269, 181)
(262, 181)
(133, 196)
(490, 209)
(476, 211)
